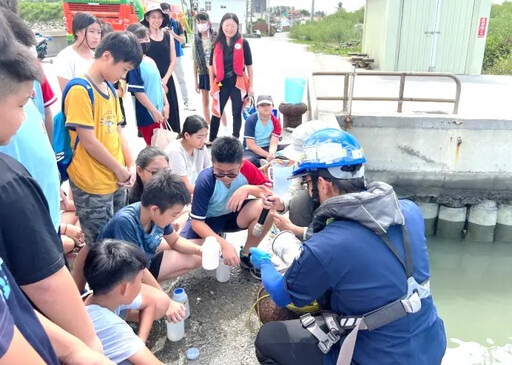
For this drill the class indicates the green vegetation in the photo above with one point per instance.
(338, 33)
(498, 49)
(40, 11)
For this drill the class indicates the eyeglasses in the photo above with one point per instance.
(157, 171)
(305, 184)
(231, 175)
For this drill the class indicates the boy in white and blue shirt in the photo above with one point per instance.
(114, 272)
(144, 82)
(262, 132)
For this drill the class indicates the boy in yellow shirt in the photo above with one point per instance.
(102, 167)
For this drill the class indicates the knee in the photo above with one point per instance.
(162, 304)
(264, 339)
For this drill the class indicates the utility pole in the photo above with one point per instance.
(269, 15)
(312, 10)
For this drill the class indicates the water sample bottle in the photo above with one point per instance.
(175, 331)
(211, 253)
(179, 295)
(223, 271)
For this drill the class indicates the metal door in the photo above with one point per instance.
(416, 30)
(455, 33)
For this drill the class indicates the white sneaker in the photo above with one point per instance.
(188, 106)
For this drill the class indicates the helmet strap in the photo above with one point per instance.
(314, 191)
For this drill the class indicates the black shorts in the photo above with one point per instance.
(222, 224)
(204, 82)
(155, 263)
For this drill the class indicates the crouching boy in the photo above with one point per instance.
(221, 202)
(114, 272)
(148, 224)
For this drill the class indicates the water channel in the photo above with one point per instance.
(472, 288)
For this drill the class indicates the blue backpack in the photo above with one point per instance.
(61, 140)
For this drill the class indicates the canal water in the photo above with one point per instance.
(472, 288)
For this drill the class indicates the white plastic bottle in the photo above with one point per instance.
(223, 272)
(211, 253)
(175, 331)
(179, 295)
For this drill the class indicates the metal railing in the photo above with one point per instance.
(348, 92)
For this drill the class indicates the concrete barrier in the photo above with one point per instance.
(503, 231)
(57, 41)
(432, 154)
(429, 212)
(450, 222)
(482, 221)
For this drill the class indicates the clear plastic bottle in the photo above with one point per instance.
(179, 295)
(223, 272)
(175, 331)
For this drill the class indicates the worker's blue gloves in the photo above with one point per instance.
(257, 255)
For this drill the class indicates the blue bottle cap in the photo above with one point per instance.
(192, 353)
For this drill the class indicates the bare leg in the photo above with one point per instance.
(175, 263)
(206, 105)
(248, 217)
(150, 293)
(78, 268)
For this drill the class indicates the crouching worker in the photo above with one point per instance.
(366, 262)
(114, 272)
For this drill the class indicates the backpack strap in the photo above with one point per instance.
(85, 84)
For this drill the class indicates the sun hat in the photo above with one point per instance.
(152, 7)
(264, 99)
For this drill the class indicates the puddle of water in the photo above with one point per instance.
(472, 288)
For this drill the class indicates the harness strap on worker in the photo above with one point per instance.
(410, 303)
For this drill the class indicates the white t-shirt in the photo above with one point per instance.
(182, 164)
(117, 337)
(69, 64)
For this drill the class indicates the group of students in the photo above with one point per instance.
(129, 249)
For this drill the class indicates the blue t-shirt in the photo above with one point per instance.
(254, 129)
(126, 225)
(15, 310)
(146, 79)
(31, 147)
(38, 99)
(211, 195)
(178, 29)
(330, 268)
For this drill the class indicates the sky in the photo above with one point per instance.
(329, 6)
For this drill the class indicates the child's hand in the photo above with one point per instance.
(176, 311)
(165, 113)
(75, 233)
(123, 175)
(157, 116)
(231, 257)
(237, 199)
(196, 84)
(282, 223)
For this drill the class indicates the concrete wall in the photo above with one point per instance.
(437, 153)
(374, 33)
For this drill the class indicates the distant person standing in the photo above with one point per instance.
(178, 34)
(229, 60)
(201, 51)
(162, 51)
(75, 60)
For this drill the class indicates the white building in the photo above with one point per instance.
(217, 8)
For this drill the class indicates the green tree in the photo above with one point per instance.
(304, 12)
(498, 48)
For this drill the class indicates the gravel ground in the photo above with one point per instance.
(219, 317)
